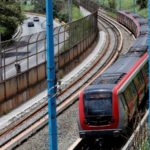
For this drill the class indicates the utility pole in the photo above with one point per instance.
(51, 77)
(70, 10)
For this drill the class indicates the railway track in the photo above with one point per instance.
(22, 129)
(114, 143)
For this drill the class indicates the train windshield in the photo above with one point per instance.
(98, 107)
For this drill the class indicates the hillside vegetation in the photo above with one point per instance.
(10, 18)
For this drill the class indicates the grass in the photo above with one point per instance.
(145, 146)
(76, 14)
(143, 12)
(2, 29)
(27, 7)
(126, 5)
(113, 15)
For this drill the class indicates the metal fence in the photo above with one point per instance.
(23, 60)
(21, 54)
(139, 139)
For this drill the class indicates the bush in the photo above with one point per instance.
(112, 3)
(63, 16)
(10, 18)
(142, 3)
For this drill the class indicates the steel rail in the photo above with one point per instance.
(43, 120)
(82, 143)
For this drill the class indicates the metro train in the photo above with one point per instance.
(109, 104)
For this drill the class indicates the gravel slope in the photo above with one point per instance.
(67, 132)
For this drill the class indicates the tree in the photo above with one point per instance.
(39, 6)
(10, 18)
(142, 3)
(112, 3)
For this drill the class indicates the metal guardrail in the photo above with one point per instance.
(139, 138)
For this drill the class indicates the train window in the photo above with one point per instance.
(133, 89)
(138, 80)
(99, 107)
(123, 101)
(127, 94)
(130, 92)
(98, 104)
(145, 71)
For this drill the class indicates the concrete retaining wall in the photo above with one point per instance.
(25, 85)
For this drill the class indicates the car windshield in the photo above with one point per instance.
(98, 104)
(30, 22)
(36, 18)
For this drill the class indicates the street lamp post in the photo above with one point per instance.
(51, 77)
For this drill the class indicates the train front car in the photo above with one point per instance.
(111, 102)
(107, 106)
(97, 116)
(101, 113)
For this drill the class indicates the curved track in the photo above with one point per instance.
(88, 144)
(37, 119)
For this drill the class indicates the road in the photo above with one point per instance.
(36, 46)
(17, 54)
(38, 26)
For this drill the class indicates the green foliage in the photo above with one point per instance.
(76, 14)
(145, 146)
(143, 12)
(27, 7)
(60, 10)
(39, 6)
(63, 15)
(112, 3)
(137, 6)
(55, 11)
(142, 3)
(10, 18)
